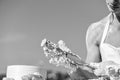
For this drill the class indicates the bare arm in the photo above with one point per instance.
(92, 43)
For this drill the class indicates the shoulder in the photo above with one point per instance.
(97, 26)
(95, 30)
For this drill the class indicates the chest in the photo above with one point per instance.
(113, 36)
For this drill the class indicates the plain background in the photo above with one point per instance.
(25, 23)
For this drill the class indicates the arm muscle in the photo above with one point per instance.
(92, 43)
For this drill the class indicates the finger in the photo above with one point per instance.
(7, 78)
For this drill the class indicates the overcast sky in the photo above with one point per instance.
(25, 23)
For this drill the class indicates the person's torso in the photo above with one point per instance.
(110, 43)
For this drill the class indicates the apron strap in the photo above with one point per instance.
(106, 27)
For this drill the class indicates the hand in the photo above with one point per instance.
(83, 73)
(100, 70)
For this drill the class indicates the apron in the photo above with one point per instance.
(109, 52)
